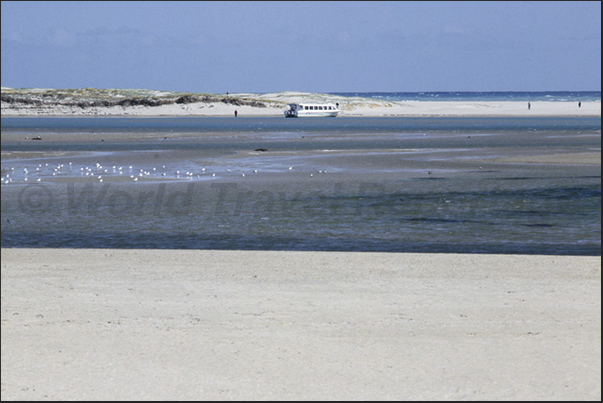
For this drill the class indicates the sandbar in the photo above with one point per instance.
(274, 105)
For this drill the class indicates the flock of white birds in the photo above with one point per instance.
(100, 173)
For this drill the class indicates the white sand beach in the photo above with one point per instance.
(394, 109)
(275, 104)
(250, 325)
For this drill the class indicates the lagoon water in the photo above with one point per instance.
(439, 185)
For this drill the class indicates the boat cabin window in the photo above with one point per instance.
(315, 107)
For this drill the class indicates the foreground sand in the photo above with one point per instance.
(159, 324)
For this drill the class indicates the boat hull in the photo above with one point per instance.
(316, 114)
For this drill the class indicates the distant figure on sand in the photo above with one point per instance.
(236, 113)
(580, 104)
(529, 106)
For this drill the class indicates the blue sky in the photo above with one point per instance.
(303, 46)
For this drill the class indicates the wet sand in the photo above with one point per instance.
(130, 324)
(351, 195)
(591, 158)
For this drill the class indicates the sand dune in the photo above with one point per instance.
(92, 102)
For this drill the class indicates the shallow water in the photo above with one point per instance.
(370, 184)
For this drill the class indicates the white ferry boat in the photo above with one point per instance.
(311, 110)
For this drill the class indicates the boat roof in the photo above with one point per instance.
(312, 103)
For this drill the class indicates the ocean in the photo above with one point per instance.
(512, 96)
(428, 185)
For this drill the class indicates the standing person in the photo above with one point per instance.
(580, 104)
(236, 113)
(529, 106)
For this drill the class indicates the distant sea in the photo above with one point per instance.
(514, 96)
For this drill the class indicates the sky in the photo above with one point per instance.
(308, 46)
